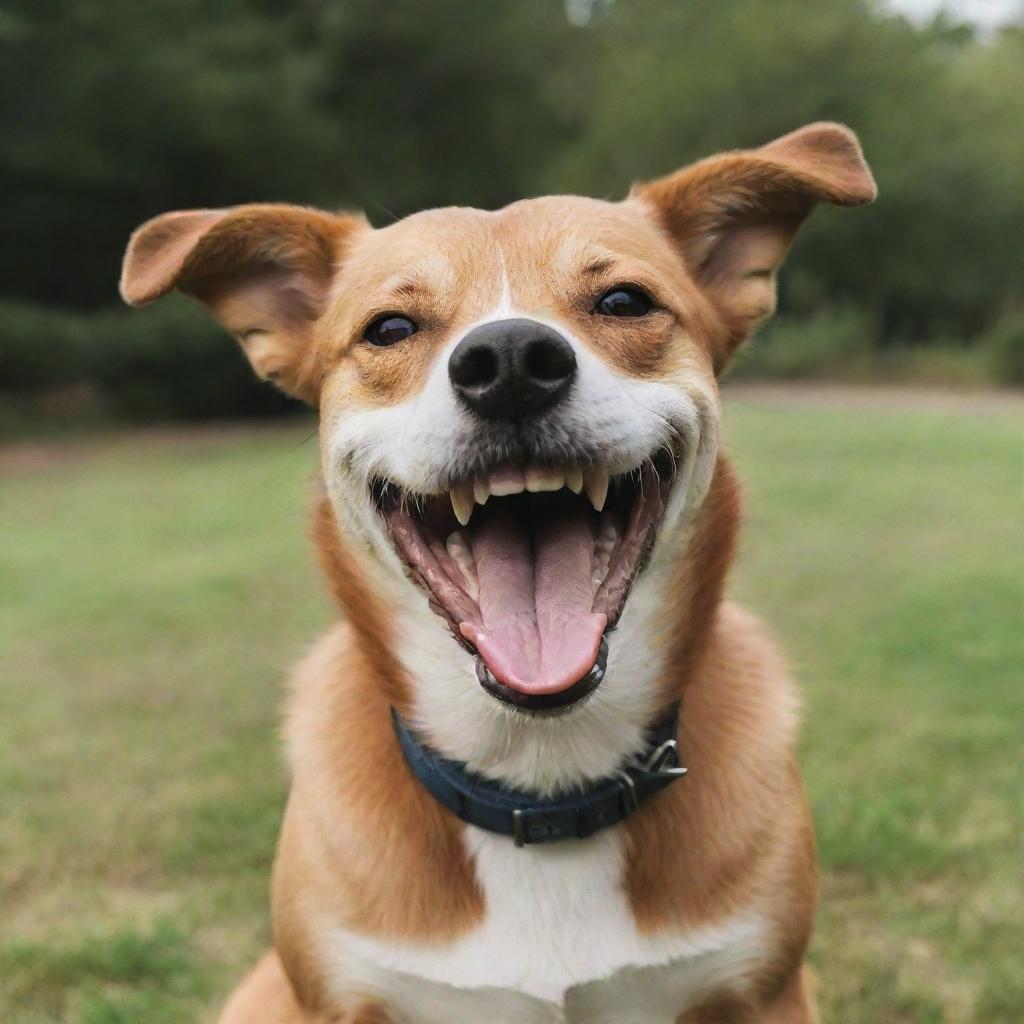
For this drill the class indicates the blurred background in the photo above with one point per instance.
(115, 111)
(155, 581)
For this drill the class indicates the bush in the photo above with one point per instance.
(173, 362)
(40, 349)
(165, 363)
(831, 343)
(1004, 345)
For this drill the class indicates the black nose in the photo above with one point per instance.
(510, 369)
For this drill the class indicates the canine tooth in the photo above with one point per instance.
(481, 490)
(462, 502)
(462, 555)
(507, 480)
(543, 479)
(574, 479)
(604, 546)
(596, 483)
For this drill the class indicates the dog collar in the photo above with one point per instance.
(531, 818)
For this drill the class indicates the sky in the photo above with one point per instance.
(987, 14)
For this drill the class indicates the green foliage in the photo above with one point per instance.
(172, 361)
(167, 362)
(844, 345)
(825, 343)
(41, 348)
(1005, 346)
(125, 110)
(118, 111)
(935, 110)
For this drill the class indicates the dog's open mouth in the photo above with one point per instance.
(532, 566)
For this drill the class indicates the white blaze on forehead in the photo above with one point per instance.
(504, 307)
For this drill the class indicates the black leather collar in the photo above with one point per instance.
(530, 818)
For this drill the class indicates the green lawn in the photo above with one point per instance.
(154, 589)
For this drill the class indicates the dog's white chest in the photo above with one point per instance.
(558, 944)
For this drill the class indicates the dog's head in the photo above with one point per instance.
(519, 410)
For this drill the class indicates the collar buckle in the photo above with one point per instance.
(531, 826)
(663, 762)
(518, 831)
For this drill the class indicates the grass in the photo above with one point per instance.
(156, 587)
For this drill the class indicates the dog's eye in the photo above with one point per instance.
(389, 329)
(623, 301)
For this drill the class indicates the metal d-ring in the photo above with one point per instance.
(656, 761)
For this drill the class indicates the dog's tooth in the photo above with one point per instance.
(458, 547)
(462, 555)
(604, 548)
(574, 479)
(481, 490)
(507, 480)
(544, 478)
(462, 502)
(596, 483)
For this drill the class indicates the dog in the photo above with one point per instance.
(543, 771)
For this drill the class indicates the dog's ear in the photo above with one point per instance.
(733, 216)
(263, 271)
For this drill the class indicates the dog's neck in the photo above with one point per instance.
(654, 650)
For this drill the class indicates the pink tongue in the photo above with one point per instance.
(539, 634)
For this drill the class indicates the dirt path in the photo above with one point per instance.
(52, 453)
(879, 396)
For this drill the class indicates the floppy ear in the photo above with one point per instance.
(733, 216)
(263, 271)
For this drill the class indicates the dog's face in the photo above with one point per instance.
(518, 409)
(510, 402)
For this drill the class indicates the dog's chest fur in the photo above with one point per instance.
(558, 944)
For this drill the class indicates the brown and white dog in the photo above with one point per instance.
(527, 525)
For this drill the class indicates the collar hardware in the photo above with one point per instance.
(664, 761)
(531, 819)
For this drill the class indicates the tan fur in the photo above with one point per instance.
(734, 216)
(346, 766)
(263, 270)
(299, 287)
(265, 995)
(736, 836)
